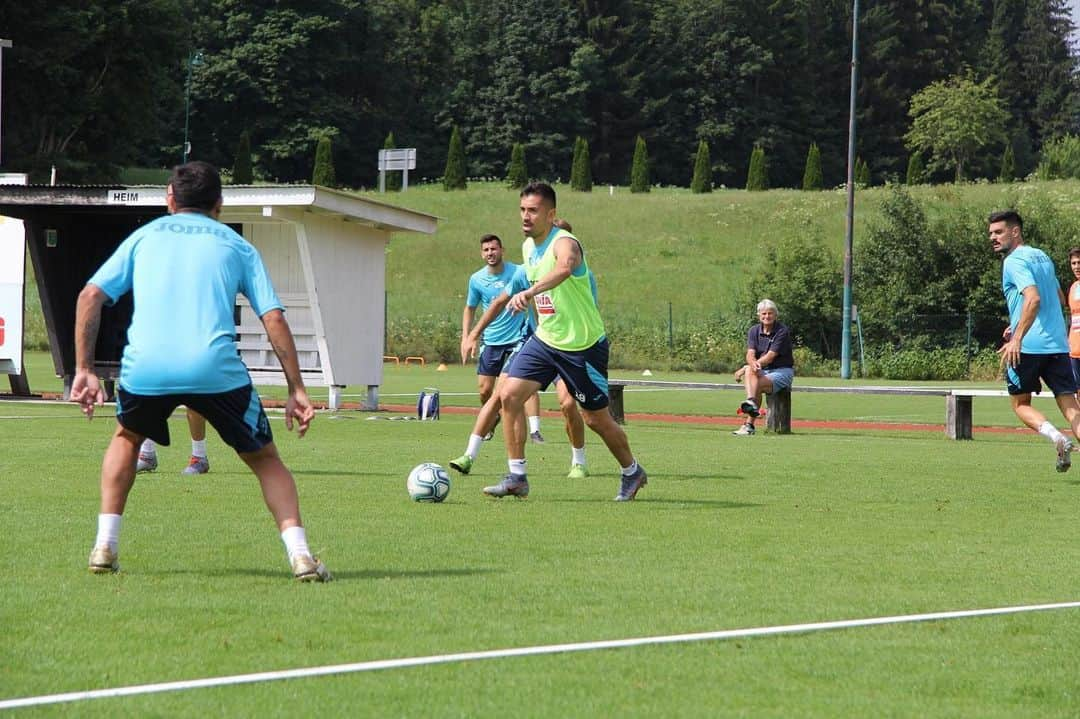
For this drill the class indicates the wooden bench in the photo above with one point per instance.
(958, 402)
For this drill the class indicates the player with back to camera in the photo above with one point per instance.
(1036, 346)
(184, 271)
(570, 342)
(502, 335)
(488, 416)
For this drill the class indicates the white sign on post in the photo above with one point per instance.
(12, 261)
(401, 159)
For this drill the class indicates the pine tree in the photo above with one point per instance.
(517, 176)
(702, 181)
(454, 174)
(639, 172)
(812, 178)
(393, 177)
(915, 170)
(581, 167)
(242, 173)
(324, 164)
(757, 177)
(862, 173)
(1008, 165)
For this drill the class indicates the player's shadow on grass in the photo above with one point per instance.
(642, 499)
(338, 574)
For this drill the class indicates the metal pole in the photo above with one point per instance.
(3, 44)
(845, 336)
(187, 111)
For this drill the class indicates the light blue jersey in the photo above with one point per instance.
(484, 288)
(185, 271)
(1023, 267)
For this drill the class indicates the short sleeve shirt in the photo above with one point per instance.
(184, 272)
(779, 341)
(1025, 267)
(484, 288)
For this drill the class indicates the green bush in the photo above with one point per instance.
(1060, 159)
(862, 173)
(916, 171)
(639, 172)
(702, 180)
(812, 177)
(581, 167)
(323, 173)
(436, 339)
(242, 173)
(1008, 165)
(757, 176)
(516, 175)
(454, 174)
(918, 364)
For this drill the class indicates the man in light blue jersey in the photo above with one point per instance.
(500, 336)
(184, 272)
(1037, 345)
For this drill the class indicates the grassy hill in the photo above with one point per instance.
(697, 254)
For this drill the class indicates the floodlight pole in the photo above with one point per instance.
(3, 44)
(194, 58)
(845, 335)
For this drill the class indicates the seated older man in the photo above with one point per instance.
(769, 363)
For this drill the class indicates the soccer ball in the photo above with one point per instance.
(428, 482)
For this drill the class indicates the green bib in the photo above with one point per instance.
(568, 318)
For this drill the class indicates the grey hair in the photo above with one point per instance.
(768, 305)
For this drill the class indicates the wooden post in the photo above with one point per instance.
(615, 402)
(778, 419)
(958, 416)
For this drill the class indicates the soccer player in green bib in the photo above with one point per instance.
(570, 343)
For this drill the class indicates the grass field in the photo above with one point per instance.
(730, 533)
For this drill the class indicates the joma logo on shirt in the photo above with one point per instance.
(544, 305)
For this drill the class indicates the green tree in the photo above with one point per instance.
(581, 167)
(702, 180)
(757, 177)
(454, 174)
(242, 173)
(915, 170)
(812, 178)
(1008, 165)
(392, 182)
(323, 174)
(517, 176)
(953, 120)
(863, 177)
(639, 172)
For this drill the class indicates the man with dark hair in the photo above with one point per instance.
(570, 342)
(1036, 346)
(184, 272)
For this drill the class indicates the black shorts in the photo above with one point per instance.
(1054, 369)
(584, 372)
(493, 359)
(237, 415)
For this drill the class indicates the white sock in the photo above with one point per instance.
(108, 531)
(473, 448)
(627, 471)
(534, 423)
(198, 448)
(295, 539)
(147, 447)
(577, 455)
(1048, 430)
(517, 466)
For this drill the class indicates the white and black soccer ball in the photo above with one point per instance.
(428, 482)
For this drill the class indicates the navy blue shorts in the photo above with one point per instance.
(1075, 362)
(493, 359)
(237, 415)
(1054, 369)
(584, 372)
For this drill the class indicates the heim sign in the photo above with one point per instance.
(12, 266)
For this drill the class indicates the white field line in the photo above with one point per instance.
(516, 652)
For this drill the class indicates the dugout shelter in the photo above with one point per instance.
(325, 250)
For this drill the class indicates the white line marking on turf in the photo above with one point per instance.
(518, 652)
